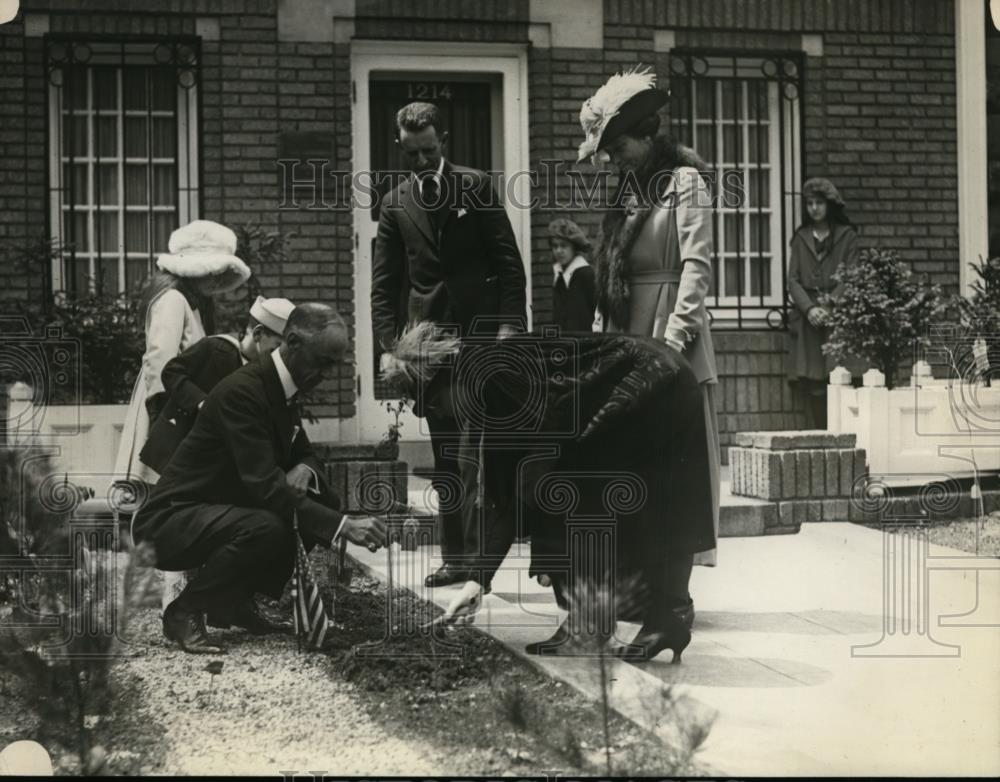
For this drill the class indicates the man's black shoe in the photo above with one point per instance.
(187, 627)
(252, 618)
(446, 575)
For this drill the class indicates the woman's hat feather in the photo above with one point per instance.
(617, 106)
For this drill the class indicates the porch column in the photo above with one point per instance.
(970, 78)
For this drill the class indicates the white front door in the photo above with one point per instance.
(485, 109)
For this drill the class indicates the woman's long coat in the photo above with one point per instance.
(808, 278)
(172, 326)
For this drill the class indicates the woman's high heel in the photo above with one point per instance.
(549, 646)
(669, 633)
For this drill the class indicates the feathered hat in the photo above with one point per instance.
(203, 248)
(617, 106)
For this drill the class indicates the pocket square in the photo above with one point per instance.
(295, 431)
(462, 212)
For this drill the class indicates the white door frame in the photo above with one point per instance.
(510, 62)
(970, 85)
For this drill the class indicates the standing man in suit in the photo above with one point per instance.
(445, 252)
(226, 500)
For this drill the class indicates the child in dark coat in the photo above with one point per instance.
(574, 295)
(189, 377)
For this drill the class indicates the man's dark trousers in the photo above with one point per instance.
(456, 477)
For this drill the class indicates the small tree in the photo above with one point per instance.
(881, 313)
(980, 312)
(980, 317)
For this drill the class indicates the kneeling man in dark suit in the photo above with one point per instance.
(226, 500)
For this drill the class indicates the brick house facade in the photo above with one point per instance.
(876, 113)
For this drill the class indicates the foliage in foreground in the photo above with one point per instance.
(61, 610)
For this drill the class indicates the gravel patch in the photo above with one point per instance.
(271, 709)
(973, 536)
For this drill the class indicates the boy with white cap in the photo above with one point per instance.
(189, 377)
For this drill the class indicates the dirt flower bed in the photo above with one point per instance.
(466, 693)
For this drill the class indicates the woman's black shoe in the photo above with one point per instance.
(446, 575)
(570, 641)
(561, 637)
(654, 638)
(686, 613)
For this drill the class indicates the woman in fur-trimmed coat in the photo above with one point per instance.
(654, 262)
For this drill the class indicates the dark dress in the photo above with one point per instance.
(595, 446)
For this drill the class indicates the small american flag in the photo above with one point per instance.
(308, 611)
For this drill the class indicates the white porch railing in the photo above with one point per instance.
(931, 430)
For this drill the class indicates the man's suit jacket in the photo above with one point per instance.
(187, 379)
(447, 268)
(245, 439)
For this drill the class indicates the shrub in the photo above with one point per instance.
(882, 312)
(112, 339)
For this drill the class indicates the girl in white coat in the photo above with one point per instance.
(200, 264)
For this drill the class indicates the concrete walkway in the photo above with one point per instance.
(777, 651)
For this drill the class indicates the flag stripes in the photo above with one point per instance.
(308, 611)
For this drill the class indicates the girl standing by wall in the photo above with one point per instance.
(824, 242)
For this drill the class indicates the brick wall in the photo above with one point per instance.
(753, 392)
(22, 162)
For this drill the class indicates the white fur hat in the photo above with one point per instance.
(272, 313)
(203, 248)
(622, 101)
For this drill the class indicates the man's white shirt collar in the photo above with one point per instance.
(567, 274)
(287, 384)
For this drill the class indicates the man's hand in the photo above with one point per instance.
(300, 478)
(463, 608)
(506, 330)
(368, 531)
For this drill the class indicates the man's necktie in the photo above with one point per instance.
(432, 201)
(431, 192)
